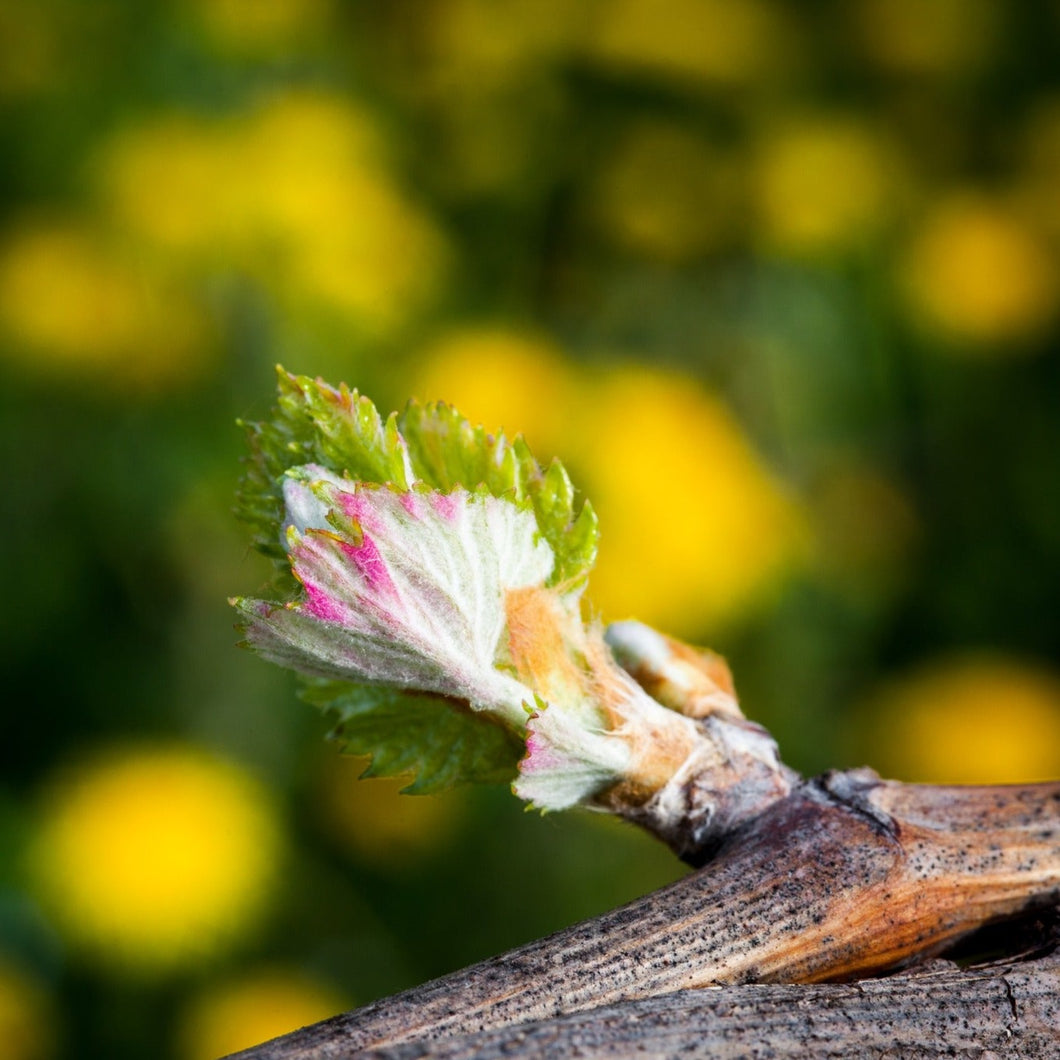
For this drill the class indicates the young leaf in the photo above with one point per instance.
(445, 451)
(432, 446)
(314, 423)
(432, 737)
(566, 762)
(403, 589)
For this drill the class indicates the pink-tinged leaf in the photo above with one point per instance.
(445, 505)
(320, 605)
(372, 568)
(566, 762)
(413, 503)
(406, 589)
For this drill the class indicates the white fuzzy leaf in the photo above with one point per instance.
(402, 588)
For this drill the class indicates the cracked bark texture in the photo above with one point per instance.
(1010, 1011)
(847, 876)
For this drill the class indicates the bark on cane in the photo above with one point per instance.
(985, 1014)
(845, 876)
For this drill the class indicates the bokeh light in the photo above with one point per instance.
(248, 28)
(484, 45)
(928, 37)
(42, 48)
(154, 858)
(714, 533)
(865, 529)
(978, 719)
(710, 41)
(977, 273)
(253, 1008)
(825, 184)
(1039, 170)
(77, 305)
(321, 221)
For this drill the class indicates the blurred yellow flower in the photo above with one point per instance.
(823, 185)
(971, 720)
(695, 530)
(372, 818)
(73, 303)
(296, 192)
(159, 183)
(665, 193)
(27, 1022)
(155, 858)
(254, 1009)
(253, 27)
(977, 273)
(727, 41)
(503, 379)
(927, 36)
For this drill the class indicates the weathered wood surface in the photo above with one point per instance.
(847, 876)
(984, 1014)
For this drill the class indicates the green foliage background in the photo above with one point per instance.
(838, 219)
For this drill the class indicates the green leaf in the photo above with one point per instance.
(314, 423)
(574, 539)
(446, 451)
(432, 737)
